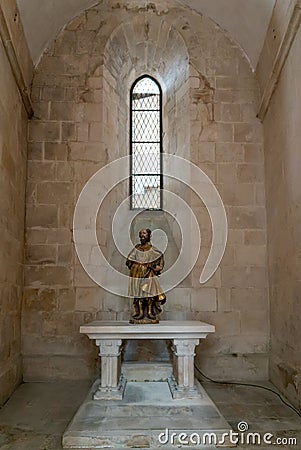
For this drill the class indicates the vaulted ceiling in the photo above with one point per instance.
(246, 21)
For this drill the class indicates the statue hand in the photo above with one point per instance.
(157, 269)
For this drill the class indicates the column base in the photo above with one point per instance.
(109, 393)
(179, 392)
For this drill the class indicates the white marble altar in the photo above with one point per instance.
(123, 411)
(109, 335)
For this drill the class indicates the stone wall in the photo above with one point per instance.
(283, 188)
(13, 148)
(81, 98)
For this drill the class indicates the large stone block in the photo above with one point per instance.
(220, 132)
(44, 131)
(52, 93)
(39, 300)
(226, 322)
(205, 152)
(89, 299)
(64, 171)
(255, 322)
(229, 152)
(178, 299)
(66, 299)
(64, 254)
(253, 255)
(56, 152)
(87, 152)
(249, 299)
(68, 131)
(250, 173)
(244, 277)
(35, 151)
(65, 43)
(235, 367)
(253, 153)
(85, 40)
(251, 217)
(114, 303)
(93, 112)
(45, 216)
(55, 193)
(47, 276)
(227, 112)
(40, 171)
(48, 236)
(204, 299)
(239, 194)
(95, 132)
(255, 237)
(227, 173)
(41, 254)
(31, 322)
(224, 299)
(246, 132)
(57, 367)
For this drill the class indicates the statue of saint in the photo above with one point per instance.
(145, 263)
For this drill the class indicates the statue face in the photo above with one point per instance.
(144, 236)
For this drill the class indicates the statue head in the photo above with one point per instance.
(145, 235)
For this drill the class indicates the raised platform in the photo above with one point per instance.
(138, 406)
(147, 417)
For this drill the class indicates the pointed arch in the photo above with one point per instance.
(146, 177)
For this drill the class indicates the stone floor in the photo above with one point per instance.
(37, 414)
(146, 411)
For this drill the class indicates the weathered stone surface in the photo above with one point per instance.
(81, 91)
(13, 153)
(45, 216)
(41, 254)
(55, 193)
(40, 299)
(47, 275)
(283, 187)
(203, 299)
(44, 131)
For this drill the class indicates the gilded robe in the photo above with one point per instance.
(145, 263)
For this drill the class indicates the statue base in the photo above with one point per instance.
(144, 321)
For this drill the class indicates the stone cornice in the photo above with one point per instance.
(279, 61)
(14, 64)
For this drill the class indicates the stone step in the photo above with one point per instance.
(147, 417)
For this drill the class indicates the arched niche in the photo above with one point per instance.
(156, 48)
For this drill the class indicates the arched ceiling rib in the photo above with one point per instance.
(246, 21)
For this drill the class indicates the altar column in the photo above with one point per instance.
(112, 384)
(182, 383)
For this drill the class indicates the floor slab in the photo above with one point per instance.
(146, 417)
(37, 414)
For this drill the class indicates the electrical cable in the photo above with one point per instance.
(249, 385)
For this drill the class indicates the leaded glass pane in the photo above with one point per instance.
(146, 159)
(146, 145)
(146, 126)
(146, 191)
(148, 102)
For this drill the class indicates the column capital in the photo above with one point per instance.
(109, 347)
(185, 347)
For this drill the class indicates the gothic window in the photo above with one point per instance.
(146, 180)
